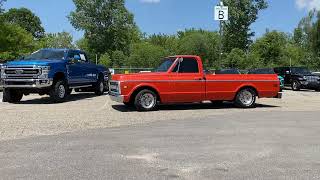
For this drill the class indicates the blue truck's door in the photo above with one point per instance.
(89, 69)
(75, 74)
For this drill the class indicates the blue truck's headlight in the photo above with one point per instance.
(44, 72)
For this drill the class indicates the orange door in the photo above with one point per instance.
(188, 81)
(188, 87)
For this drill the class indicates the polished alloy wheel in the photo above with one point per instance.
(147, 100)
(246, 97)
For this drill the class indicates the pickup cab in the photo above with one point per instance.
(55, 72)
(182, 79)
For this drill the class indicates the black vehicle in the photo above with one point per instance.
(299, 78)
(228, 71)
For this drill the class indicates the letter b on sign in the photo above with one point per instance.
(221, 13)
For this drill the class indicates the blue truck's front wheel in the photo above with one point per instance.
(59, 91)
(99, 87)
(12, 95)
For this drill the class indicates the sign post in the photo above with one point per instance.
(221, 13)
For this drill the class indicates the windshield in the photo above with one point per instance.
(166, 64)
(46, 54)
(304, 71)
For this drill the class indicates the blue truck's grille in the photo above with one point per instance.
(22, 72)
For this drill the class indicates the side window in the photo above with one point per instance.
(70, 54)
(188, 65)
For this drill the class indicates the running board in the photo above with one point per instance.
(76, 87)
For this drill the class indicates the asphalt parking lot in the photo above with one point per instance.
(37, 116)
(92, 137)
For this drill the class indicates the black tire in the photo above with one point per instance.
(11, 96)
(99, 87)
(59, 92)
(69, 91)
(296, 85)
(246, 98)
(145, 100)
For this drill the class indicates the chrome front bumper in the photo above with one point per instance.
(26, 83)
(116, 98)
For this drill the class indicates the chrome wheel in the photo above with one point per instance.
(62, 91)
(147, 101)
(246, 98)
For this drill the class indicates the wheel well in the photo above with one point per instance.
(58, 76)
(249, 87)
(135, 92)
(100, 75)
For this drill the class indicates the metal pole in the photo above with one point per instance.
(221, 34)
(96, 58)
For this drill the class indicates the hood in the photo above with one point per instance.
(33, 62)
(138, 76)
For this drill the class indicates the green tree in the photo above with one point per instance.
(168, 42)
(25, 19)
(271, 48)
(236, 59)
(146, 55)
(118, 59)
(201, 43)
(105, 60)
(56, 40)
(107, 24)
(236, 31)
(1, 4)
(14, 41)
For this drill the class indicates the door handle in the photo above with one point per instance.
(199, 79)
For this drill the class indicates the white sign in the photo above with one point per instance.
(221, 13)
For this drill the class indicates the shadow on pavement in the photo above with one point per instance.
(47, 100)
(193, 106)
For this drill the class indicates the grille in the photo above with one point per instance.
(22, 72)
(114, 87)
(312, 78)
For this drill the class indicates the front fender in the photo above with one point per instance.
(142, 86)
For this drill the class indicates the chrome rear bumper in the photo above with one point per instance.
(279, 96)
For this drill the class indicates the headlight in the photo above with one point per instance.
(2, 67)
(44, 72)
(302, 78)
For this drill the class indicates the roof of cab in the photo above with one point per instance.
(184, 56)
(61, 49)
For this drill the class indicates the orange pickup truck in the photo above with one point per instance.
(182, 79)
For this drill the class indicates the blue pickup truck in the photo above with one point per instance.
(55, 72)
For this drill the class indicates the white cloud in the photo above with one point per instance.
(150, 1)
(308, 4)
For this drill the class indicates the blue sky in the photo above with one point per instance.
(170, 16)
